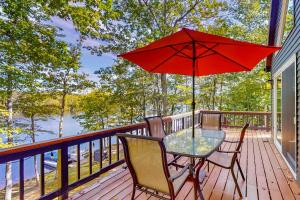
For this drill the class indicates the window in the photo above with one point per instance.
(278, 109)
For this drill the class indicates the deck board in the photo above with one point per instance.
(267, 176)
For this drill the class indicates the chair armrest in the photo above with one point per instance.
(172, 178)
(221, 151)
(231, 141)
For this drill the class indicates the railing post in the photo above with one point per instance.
(21, 171)
(42, 158)
(62, 172)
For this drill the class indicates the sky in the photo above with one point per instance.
(90, 63)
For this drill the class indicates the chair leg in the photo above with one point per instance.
(195, 189)
(208, 166)
(133, 192)
(236, 183)
(240, 169)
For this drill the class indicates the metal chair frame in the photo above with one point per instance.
(234, 159)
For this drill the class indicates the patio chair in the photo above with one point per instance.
(156, 126)
(156, 129)
(147, 162)
(227, 159)
(210, 121)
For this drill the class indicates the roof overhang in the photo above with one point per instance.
(272, 30)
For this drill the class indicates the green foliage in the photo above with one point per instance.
(34, 59)
(99, 110)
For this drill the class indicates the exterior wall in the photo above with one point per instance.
(298, 110)
(290, 48)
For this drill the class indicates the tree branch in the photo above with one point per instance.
(152, 13)
(185, 14)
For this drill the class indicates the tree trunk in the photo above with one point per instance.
(36, 171)
(157, 99)
(214, 93)
(9, 107)
(62, 113)
(164, 90)
(221, 98)
(8, 184)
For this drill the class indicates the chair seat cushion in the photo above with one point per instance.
(223, 159)
(178, 183)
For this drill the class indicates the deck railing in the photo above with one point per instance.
(109, 154)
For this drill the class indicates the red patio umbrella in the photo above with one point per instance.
(195, 53)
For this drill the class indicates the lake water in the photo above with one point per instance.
(71, 127)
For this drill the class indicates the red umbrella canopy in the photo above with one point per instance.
(209, 54)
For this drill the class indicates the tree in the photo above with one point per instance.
(98, 110)
(24, 40)
(141, 22)
(35, 106)
(127, 88)
(64, 79)
(27, 38)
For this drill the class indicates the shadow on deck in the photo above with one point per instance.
(267, 176)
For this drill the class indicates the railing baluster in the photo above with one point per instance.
(118, 148)
(42, 174)
(90, 157)
(109, 140)
(100, 152)
(78, 161)
(21, 171)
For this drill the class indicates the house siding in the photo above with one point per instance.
(298, 112)
(292, 43)
(292, 47)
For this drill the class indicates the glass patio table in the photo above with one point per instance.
(201, 146)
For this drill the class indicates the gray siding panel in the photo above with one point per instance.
(292, 43)
(290, 48)
(298, 113)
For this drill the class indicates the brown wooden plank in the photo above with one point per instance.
(271, 179)
(262, 186)
(251, 170)
(117, 190)
(94, 189)
(289, 177)
(110, 188)
(283, 185)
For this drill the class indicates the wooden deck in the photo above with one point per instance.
(267, 176)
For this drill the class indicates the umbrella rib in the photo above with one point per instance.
(130, 53)
(157, 66)
(206, 55)
(184, 55)
(201, 54)
(226, 57)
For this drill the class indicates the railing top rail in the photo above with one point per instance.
(67, 139)
(70, 140)
(238, 112)
(182, 115)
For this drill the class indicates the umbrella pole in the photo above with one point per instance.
(193, 103)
